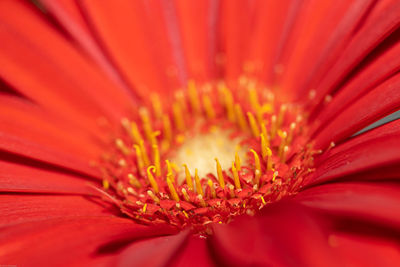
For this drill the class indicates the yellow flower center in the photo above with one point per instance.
(206, 156)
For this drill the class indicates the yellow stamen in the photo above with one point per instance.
(121, 146)
(143, 151)
(136, 136)
(180, 138)
(156, 160)
(139, 157)
(231, 191)
(189, 180)
(134, 181)
(269, 159)
(267, 108)
(229, 103)
(122, 163)
(185, 213)
(169, 170)
(131, 191)
(127, 126)
(257, 177)
(265, 133)
(253, 125)
(185, 195)
(144, 208)
(220, 175)
(274, 176)
(263, 200)
(169, 167)
(106, 184)
(148, 131)
(167, 130)
(284, 154)
(273, 126)
(256, 160)
(157, 107)
(212, 189)
(151, 179)
(178, 116)
(175, 167)
(201, 200)
(264, 147)
(331, 145)
(282, 112)
(199, 189)
(208, 107)
(283, 136)
(193, 97)
(181, 99)
(237, 161)
(153, 140)
(126, 123)
(154, 197)
(241, 120)
(171, 188)
(259, 115)
(236, 176)
(253, 97)
(291, 133)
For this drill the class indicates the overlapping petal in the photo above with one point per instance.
(378, 203)
(375, 149)
(61, 240)
(39, 62)
(274, 239)
(381, 101)
(379, 25)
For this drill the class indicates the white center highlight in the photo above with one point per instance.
(199, 152)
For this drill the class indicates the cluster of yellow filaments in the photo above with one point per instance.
(263, 157)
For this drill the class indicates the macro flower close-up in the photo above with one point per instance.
(199, 133)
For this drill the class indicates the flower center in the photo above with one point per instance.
(202, 148)
(213, 154)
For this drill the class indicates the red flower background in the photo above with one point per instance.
(65, 64)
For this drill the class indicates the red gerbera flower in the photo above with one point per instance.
(199, 133)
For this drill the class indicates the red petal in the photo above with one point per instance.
(63, 242)
(367, 251)
(272, 25)
(21, 208)
(68, 14)
(389, 129)
(22, 178)
(123, 30)
(195, 253)
(379, 203)
(321, 32)
(53, 82)
(152, 252)
(376, 29)
(234, 34)
(284, 235)
(171, 39)
(197, 23)
(25, 120)
(378, 103)
(377, 71)
(355, 156)
(37, 152)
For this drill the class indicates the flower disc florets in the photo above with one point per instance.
(258, 147)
